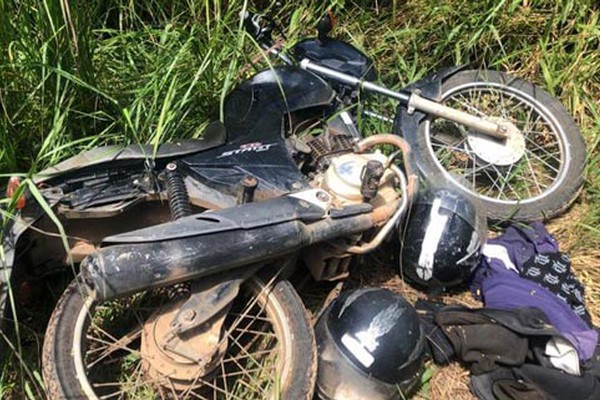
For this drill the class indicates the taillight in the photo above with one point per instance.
(13, 184)
(332, 18)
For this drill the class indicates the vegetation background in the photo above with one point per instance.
(77, 74)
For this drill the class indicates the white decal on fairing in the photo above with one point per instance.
(256, 147)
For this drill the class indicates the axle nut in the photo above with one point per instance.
(188, 315)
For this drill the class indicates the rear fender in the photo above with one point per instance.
(11, 233)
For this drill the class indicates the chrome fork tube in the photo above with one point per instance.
(413, 101)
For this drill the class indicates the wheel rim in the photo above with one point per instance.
(533, 176)
(256, 365)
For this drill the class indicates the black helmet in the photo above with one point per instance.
(371, 346)
(442, 240)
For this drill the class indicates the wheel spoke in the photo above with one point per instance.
(121, 344)
(119, 368)
(216, 388)
(552, 156)
(494, 182)
(223, 376)
(243, 349)
(541, 160)
(474, 171)
(502, 105)
(118, 346)
(538, 168)
(128, 389)
(506, 178)
(512, 189)
(470, 107)
(532, 173)
(254, 354)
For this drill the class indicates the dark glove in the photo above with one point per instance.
(439, 347)
(481, 341)
(534, 382)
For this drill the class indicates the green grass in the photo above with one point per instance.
(74, 75)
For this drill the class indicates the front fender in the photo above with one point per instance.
(431, 86)
(407, 124)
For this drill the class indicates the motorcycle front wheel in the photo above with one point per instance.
(535, 174)
(96, 351)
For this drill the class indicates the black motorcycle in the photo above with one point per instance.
(183, 254)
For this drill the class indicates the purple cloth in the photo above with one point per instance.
(523, 242)
(506, 290)
(502, 288)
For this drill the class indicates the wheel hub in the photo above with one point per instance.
(183, 358)
(498, 152)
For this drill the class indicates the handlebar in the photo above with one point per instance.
(261, 27)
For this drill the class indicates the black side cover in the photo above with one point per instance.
(267, 160)
(254, 115)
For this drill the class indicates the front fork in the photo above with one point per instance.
(414, 101)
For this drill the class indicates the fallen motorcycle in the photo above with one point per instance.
(188, 297)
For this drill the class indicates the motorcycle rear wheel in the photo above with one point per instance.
(535, 175)
(93, 350)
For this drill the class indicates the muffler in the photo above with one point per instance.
(214, 242)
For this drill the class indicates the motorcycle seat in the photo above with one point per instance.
(214, 135)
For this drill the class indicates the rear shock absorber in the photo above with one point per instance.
(179, 201)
